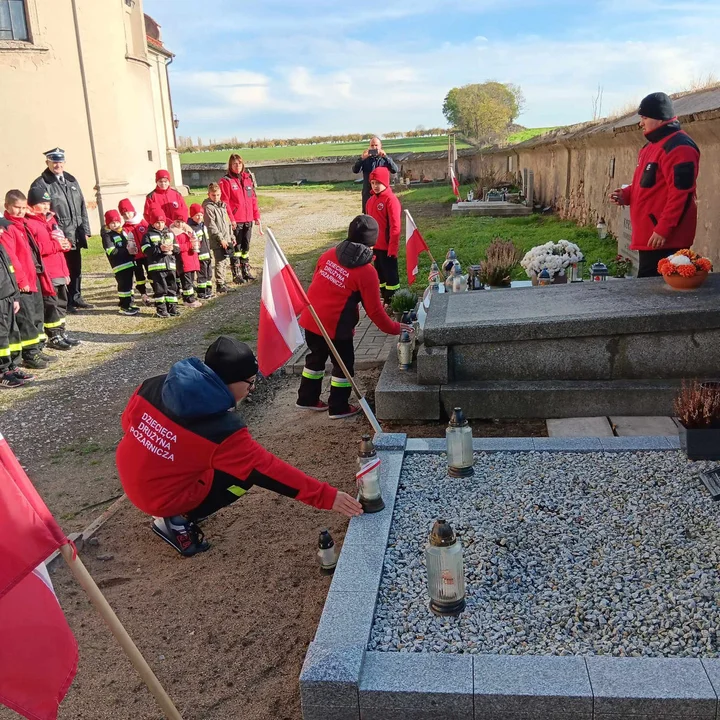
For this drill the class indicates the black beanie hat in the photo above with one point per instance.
(231, 359)
(364, 230)
(37, 195)
(657, 106)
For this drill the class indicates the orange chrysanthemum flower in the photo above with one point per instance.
(686, 270)
(665, 267)
(703, 264)
(686, 253)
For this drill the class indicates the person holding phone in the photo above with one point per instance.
(373, 157)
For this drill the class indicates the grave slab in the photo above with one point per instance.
(644, 426)
(579, 427)
(398, 396)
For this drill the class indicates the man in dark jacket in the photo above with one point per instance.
(68, 204)
(373, 157)
(662, 200)
(184, 456)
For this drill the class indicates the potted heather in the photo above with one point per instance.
(402, 301)
(501, 258)
(697, 407)
(556, 258)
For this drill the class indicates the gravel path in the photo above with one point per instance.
(565, 554)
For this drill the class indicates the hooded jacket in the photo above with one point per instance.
(238, 191)
(370, 163)
(51, 251)
(25, 256)
(168, 202)
(68, 204)
(217, 222)
(344, 277)
(662, 196)
(179, 436)
(386, 209)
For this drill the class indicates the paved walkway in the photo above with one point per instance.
(372, 347)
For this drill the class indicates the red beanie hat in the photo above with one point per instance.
(157, 216)
(381, 174)
(162, 174)
(125, 206)
(196, 208)
(112, 216)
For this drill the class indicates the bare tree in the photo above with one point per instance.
(597, 103)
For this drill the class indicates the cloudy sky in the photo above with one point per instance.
(282, 68)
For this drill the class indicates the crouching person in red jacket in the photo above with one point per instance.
(184, 456)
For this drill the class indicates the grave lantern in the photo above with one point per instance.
(446, 577)
(459, 445)
(602, 228)
(327, 554)
(404, 351)
(599, 272)
(474, 282)
(368, 477)
(457, 278)
(544, 278)
(576, 271)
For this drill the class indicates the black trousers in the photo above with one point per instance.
(124, 279)
(10, 343)
(140, 282)
(55, 310)
(387, 270)
(204, 276)
(365, 197)
(187, 285)
(31, 321)
(224, 491)
(314, 370)
(74, 263)
(649, 259)
(164, 287)
(241, 254)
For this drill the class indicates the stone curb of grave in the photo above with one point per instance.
(342, 680)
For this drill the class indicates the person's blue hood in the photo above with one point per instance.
(192, 389)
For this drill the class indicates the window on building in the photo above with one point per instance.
(13, 23)
(150, 155)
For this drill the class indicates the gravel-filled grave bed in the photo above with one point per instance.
(565, 554)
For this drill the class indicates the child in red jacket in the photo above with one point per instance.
(10, 375)
(188, 262)
(385, 208)
(204, 276)
(135, 228)
(53, 245)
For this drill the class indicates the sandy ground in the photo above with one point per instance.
(225, 631)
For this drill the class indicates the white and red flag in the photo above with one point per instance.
(414, 245)
(283, 298)
(38, 652)
(455, 183)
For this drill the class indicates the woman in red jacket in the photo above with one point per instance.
(184, 456)
(238, 193)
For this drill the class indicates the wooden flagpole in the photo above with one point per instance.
(83, 577)
(363, 402)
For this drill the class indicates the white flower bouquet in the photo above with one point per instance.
(553, 257)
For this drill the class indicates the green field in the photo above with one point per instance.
(526, 134)
(250, 155)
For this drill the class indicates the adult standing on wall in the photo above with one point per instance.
(662, 198)
(68, 204)
(237, 190)
(373, 157)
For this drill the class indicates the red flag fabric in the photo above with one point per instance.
(414, 245)
(455, 183)
(38, 653)
(282, 300)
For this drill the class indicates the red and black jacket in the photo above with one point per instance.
(25, 256)
(344, 278)
(169, 202)
(137, 230)
(238, 192)
(179, 436)
(386, 209)
(662, 196)
(53, 255)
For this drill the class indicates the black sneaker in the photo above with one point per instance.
(10, 380)
(173, 310)
(34, 362)
(58, 342)
(20, 374)
(72, 310)
(130, 312)
(247, 275)
(80, 302)
(161, 312)
(46, 358)
(185, 536)
(70, 340)
(238, 280)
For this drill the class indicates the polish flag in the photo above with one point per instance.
(38, 652)
(455, 183)
(283, 298)
(414, 245)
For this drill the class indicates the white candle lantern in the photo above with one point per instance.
(446, 576)
(404, 350)
(368, 477)
(602, 228)
(327, 553)
(459, 445)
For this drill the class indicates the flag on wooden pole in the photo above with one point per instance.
(455, 183)
(414, 245)
(39, 654)
(282, 300)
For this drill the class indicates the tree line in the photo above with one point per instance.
(186, 144)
